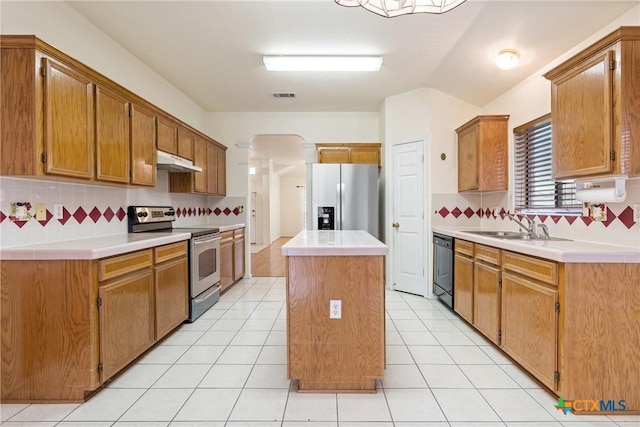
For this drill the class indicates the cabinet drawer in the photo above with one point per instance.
(225, 236)
(464, 247)
(167, 252)
(487, 254)
(122, 264)
(238, 233)
(539, 269)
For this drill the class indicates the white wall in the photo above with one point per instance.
(292, 190)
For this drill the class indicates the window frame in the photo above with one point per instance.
(564, 202)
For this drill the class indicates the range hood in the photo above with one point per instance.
(173, 163)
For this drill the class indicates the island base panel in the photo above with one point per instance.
(345, 354)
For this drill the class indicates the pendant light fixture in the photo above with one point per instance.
(392, 8)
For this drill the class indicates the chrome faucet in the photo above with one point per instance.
(531, 229)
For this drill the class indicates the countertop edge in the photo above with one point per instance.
(592, 252)
(50, 253)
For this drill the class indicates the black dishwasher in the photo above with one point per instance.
(443, 268)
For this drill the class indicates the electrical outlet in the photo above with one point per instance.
(58, 212)
(335, 309)
(636, 212)
(41, 211)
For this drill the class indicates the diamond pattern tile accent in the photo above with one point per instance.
(479, 212)
(226, 211)
(79, 215)
(20, 224)
(108, 214)
(556, 218)
(503, 213)
(236, 211)
(2, 216)
(47, 219)
(587, 220)
(543, 218)
(487, 212)
(443, 212)
(468, 212)
(95, 214)
(456, 212)
(178, 213)
(626, 217)
(217, 211)
(570, 219)
(66, 216)
(610, 217)
(189, 212)
(121, 214)
(209, 211)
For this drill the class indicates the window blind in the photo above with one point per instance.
(535, 188)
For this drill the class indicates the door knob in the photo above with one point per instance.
(396, 225)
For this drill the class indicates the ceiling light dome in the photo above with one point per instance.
(507, 59)
(391, 8)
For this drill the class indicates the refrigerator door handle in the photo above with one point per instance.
(338, 211)
(342, 207)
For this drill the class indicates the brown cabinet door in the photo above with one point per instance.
(171, 293)
(333, 155)
(212, 165)
(463, 287)
(530, 326)
(226, 259)
(167, 136)
(367, 155)
(126, 320)
(486, 305)
(200, 158)
(222, 172)
(581, 106)
(143, 146)
(468, 159)
(238, 254)
(112, 136)
(186, 141)
(68, 121)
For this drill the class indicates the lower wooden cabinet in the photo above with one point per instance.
(530, 326)
(226, 260)
(486, 297)
(238, 254)
(127, 320)
(232, 263)
(463, 285)
(171, 295)
(70, 325)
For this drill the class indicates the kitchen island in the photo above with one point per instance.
(335, 310)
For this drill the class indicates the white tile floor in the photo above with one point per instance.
(229, 369)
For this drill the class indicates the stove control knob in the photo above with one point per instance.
(142, 214)
(169, 213)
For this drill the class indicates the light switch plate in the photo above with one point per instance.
(41, 211)
(335, 309)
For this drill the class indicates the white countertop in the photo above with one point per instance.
(568, 251)
(334, 243)
(93, 248)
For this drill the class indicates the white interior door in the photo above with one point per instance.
(408, 218)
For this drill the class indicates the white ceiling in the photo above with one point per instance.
(212, 50)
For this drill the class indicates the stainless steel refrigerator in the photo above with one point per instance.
(344, 197)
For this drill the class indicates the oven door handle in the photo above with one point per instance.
(200, 242)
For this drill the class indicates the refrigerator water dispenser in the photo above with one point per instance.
(326, 218)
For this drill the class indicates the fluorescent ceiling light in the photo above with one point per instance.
(322, 63)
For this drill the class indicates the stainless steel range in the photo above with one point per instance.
(204, 253)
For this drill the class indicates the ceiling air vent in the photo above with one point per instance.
(283, 95)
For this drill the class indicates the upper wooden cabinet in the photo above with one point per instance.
(211, 157)
(349, 153)
(186, 141)
(483, 154)
(595, 109)
(63, 120)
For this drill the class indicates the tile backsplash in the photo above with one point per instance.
(488, 211)
(90, 211)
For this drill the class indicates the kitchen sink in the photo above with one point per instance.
(514, 235)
